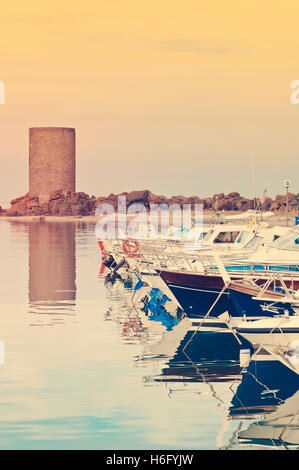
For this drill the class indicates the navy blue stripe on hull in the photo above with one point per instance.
(267, 330)
(196, 302)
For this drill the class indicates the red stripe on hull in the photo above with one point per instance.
(213, 281)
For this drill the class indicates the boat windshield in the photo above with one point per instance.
(208, 235)
(202, 236)
(289, 241)
(244, 234)
(227, 237)
(253, 243)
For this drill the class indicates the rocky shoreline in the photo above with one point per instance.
(66, 203)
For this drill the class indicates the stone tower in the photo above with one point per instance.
(52, 160)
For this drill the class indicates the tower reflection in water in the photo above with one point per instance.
(52, 268)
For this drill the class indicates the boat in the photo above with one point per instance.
(145, 255)
(196, 290)
(266, 300)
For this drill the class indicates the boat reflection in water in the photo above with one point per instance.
(265, 393)
(130, 320)
(259, 402)
(201, 363)
(52, 269)
(269, 395)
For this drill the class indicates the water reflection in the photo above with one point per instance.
(122, 369)
(130, 318)
(260, 402)
(269, 393)
(52, 268)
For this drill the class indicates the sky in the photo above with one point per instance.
(178, 97)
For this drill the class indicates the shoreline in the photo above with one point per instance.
(276, 219)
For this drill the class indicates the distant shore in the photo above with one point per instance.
(79, 204)
(207, 217)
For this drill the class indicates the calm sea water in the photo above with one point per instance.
(87, 368)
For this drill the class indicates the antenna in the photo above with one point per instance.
(287, 185)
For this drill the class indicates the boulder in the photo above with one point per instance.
(59, 194)
(233, 195)
(180, 200)
(13, 213)
(275, 206)
(74, 198)
(142, 197)
(208, 203)
(156, 199)
(65, 203)
(267, 204)
(218, 196)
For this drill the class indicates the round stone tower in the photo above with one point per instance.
(52, 160)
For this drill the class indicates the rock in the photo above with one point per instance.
(267, 204)
(56, 195)
(282, 198)
(67, 203)
(208, 202)
(45, 209)
(274, 206)
(77, 210)
(218, 196)
(74, 198)
(18, 199)
(25, 205)
(234, 195)
(244, 204)
(141, 197)
(111, 200)
(154, 199)
(32, 203)
(13, 213)
(179, 200)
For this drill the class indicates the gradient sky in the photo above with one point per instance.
(179, 97)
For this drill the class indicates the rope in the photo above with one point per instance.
(206, 316)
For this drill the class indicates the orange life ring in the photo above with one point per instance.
(130, 246)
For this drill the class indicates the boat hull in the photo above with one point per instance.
(245, 303)
(197, 292)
